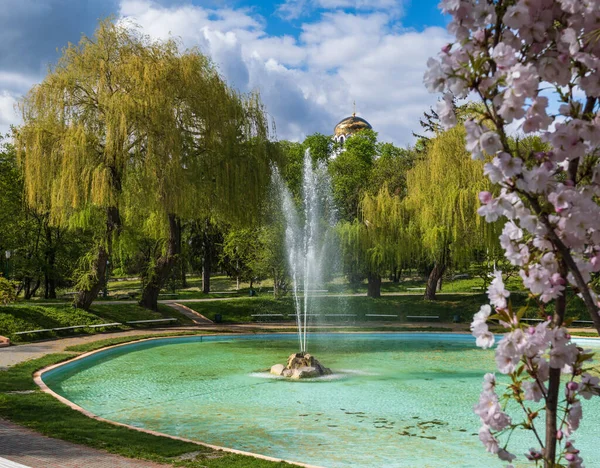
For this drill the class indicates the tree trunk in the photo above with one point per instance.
(433, 280)
(206, 275)
(164, 265)
(554, 389)
(183, 275)
(182, 262)
(374, 285)
(275, 284)
(50, 270)
(96, 278)
(30, 288)
(206, 258)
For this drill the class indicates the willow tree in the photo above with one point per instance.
(127, 126)
(80, 127)
(381, 239)
(204, 155)
(442, 197)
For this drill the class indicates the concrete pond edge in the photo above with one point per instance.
(37, 378)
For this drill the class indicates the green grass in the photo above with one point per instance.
(126, 312)
(448, 305)
(23, 317)
(337, 286)
(19, 317)
(43, 413)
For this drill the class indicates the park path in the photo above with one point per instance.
(19, 353)
(194, 316)
(31, 449)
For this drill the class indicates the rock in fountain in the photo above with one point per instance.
(301, 366)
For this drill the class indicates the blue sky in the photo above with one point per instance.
(310, 59)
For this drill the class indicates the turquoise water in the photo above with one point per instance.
(396, 400)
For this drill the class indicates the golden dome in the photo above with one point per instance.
(351, 125)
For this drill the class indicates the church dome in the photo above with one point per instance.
(351, 125)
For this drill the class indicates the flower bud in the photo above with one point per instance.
(485, 197)
(572, 386)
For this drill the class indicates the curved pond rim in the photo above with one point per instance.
(38, 375)
(38, 379)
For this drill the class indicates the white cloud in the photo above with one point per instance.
(8, 112)
(12, 87)
(308, 84)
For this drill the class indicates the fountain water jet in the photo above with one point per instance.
(307, 236)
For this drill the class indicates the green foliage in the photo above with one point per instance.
(241, 251)
(11, 188)
(389, 236)
(291, 166)
(390, 169)
(7, 291)
(320, 146)
(442, 198)
(140, 133)
(351, 170)
(251, 255)
(292, 158)
(22, 317)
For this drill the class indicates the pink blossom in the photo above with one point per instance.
(434, 77)
(490, 411)
(489, 382)
(569, 37)
(574, 417)
(504, 55)
(533, 392)
(485, 340)
(534, 454)
(590, 386)
(523, 80)
(445, 110)
(517, 16)
(536, 118)
(496, 291)
(488, 439)
(485, 197)
(510, 105)
(504, 455)
(474, 132)
(509, 68)
(508, 355)
(509, 165)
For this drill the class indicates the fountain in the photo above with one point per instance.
(306, 240)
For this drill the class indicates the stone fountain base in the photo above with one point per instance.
(301, 366)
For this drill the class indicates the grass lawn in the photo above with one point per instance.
(446, 307)
(22, 317)
(43, 413)
(227, 285)
(241, 310)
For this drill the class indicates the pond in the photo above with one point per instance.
(394, 400)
